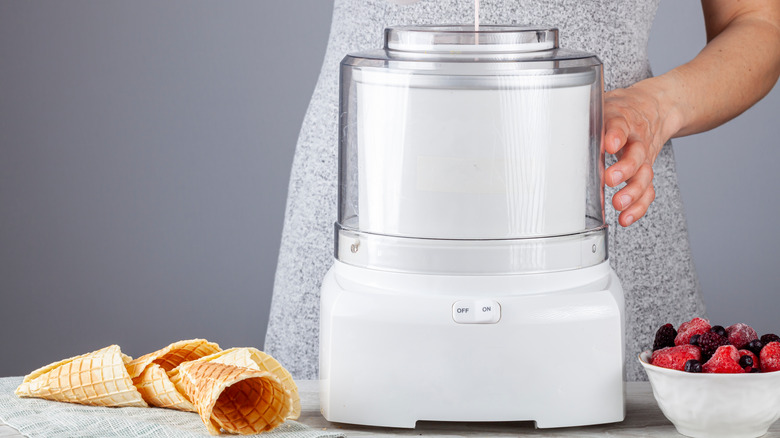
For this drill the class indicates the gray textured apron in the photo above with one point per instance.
(651, 257)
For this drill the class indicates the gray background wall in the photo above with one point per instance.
(145, 149)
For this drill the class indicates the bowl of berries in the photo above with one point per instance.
(715, 381)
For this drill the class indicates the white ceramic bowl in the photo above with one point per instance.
(715, 405)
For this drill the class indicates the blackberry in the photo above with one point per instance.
(754, 346)
(694, 339)
(693, 366)
(745, 361)
(719, 330)
(769, 337)
(755, 370)
(664, 337)
(710, 341)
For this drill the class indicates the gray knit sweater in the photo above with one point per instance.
(652, 258)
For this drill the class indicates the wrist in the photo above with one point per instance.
(671, 111)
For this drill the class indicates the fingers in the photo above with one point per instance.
(638, 209)
(635, 198)
(633, 157)
(636, 187)
(633, 132)
(616, 134)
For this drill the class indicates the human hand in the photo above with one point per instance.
(635, 131)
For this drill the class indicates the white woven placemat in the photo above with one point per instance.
(43, 418)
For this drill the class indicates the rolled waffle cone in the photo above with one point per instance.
(257, 360)
(98, 379)
(173, 355)
(236, 399)
(158, 390)
(149, 372)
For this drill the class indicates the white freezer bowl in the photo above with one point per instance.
(396, 348)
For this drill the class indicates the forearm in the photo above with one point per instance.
(738, 67)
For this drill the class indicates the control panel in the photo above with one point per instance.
(479, 311)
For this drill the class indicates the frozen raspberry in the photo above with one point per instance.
(770, 357)
(744, 355)
(675, 357)
(725, 360)
(769, 337)
(740, 334)
(690, 328)
(664, 337)
(709, 342)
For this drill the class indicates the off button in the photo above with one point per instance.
(476, 312)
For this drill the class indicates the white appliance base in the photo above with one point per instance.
(550, 349)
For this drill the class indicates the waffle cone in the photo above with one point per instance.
(98, 379)
(150, 372)
(158, 390)
(235, 399)
(173, 355)
(255, 359)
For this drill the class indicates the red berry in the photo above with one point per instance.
(741, 334)
(770, 357)
(675, 357)
(696, 326)
(725, 360)
(752, 356)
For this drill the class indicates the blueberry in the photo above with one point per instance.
(745, 361)
(694, 339)
(769, 337)
(719, 330)
(693, 366)
(754, 346)
(755, 370)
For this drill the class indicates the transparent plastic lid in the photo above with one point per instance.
(455, 143)
(510, 39)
